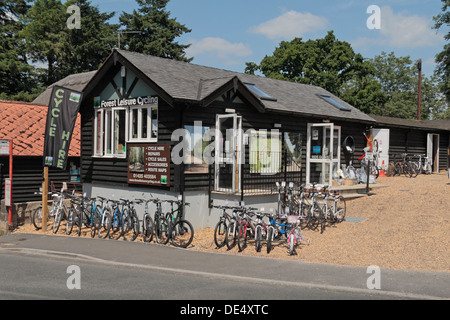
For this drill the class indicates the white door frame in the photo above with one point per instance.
(324, 160)
(233, 154)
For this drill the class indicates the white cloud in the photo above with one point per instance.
(407, 31)
(223, 49)
(290, 25)
(402, 31)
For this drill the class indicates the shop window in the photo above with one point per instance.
(197, 138)
(143, 124)
(265, 152)
(293, 142)
(114, 127)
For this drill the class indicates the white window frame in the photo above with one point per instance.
(107, 126)
(139, 138)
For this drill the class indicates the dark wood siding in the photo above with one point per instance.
(113, 171)
(28, 176)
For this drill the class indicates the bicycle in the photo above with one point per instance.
(117, 218)
(130, 225)
(294, 237)
(180, 230)
(61, 211)
(102, 217)
(37, 214)
(233, 227)
(247, 228)
(147, 222)
(220, 230)
(426, 167)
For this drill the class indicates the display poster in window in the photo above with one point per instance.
(149, 164)
(61, 117)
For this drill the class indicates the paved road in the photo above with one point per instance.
(35, 266)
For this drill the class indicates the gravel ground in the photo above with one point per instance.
(405, 225)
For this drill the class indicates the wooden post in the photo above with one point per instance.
(419, 96)
(45, 200)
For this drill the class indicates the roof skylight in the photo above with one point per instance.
(335, 103)
(259, 92)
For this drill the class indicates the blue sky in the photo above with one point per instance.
(226, 34)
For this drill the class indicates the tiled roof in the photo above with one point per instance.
(190, 82)
(24, 123)
(419, 124)
(75, 82)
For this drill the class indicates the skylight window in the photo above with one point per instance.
(335, 103)
(259, 92)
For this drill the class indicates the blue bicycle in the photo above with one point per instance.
(276, 229)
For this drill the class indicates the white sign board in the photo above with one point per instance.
(8, 192)
(382, 136)
(4, 147)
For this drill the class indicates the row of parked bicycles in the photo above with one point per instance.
(115, 219)
(312, 206)
(412, 165)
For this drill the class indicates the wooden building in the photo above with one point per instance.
(242, 133)
(429, 138)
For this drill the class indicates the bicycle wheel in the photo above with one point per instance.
(96, 222)
(57, 221)
(242, 236)
(116, 225)
(291, 242)
(269, 239)
(37, 218)
(147, 228)
(182, 234)
(230, 236)
(340, 209)
(258, 238)
(130, 227)
(162, 230)
(71, 220)
(220, 232)
(105, 224)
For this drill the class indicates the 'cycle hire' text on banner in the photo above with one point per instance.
(62, 114)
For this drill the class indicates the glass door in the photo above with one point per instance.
(227, 153)
(323, 152)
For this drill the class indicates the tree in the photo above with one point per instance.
(86, 48)
(157, 31)
(44, 33)
(327, 62)
(18, 77)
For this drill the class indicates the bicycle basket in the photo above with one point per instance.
(292, 219)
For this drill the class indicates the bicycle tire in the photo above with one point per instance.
(147, 228)
(105, 224)
(230, 237)
(96, 222)
(291, 242)
(130, 227)
(341, 209)
(116, 224)
(242, 236)
(70, 220)
(161, 230)
(258, 236)
(182, 234)
(220, 232)
(37, 218)
(57, 221)
(269, 239)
